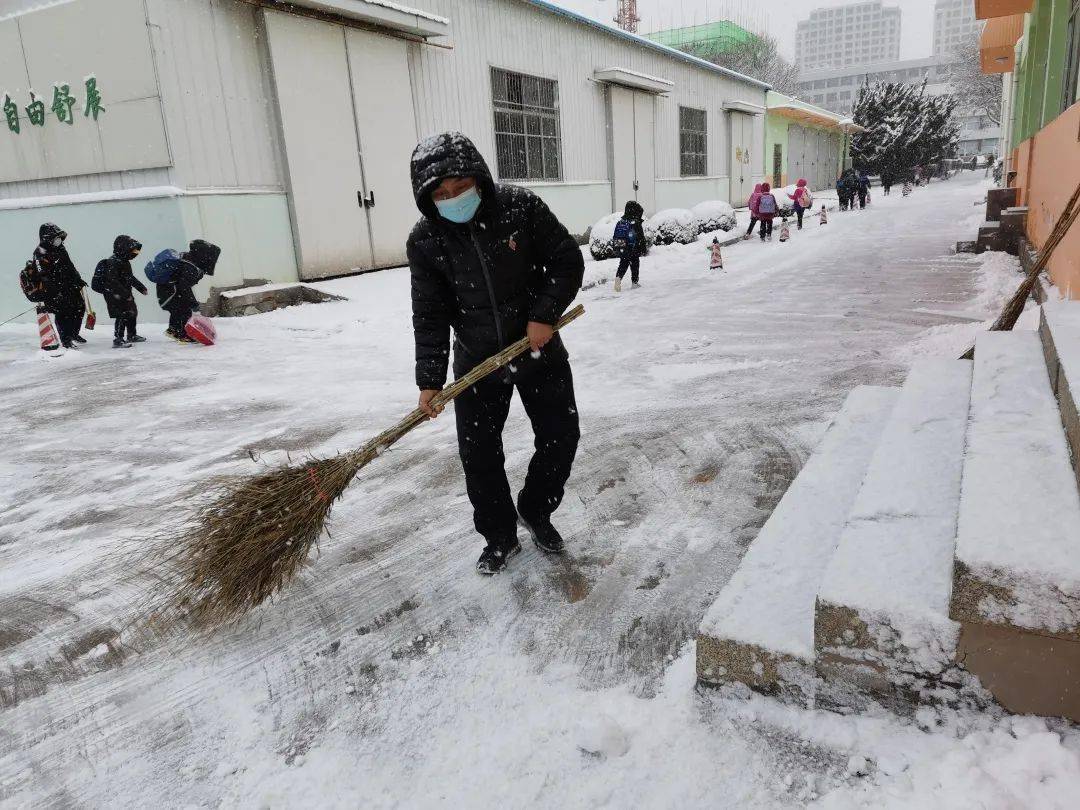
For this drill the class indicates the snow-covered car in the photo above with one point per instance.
(714, 215)
(672, 225)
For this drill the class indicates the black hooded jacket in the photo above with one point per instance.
(114, 280)
(634, 214)
(513, 263)
(178, 295)
(62, 282)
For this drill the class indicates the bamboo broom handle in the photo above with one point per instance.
(455, 389)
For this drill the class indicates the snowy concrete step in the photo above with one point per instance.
(1016, 581)
(1060, 333)
(760, 630)
(882, 617)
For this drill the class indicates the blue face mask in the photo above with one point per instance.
(460, 209)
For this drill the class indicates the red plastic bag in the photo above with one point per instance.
(201, 328)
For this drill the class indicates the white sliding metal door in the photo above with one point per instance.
(386, 130)
(743, 153)
(631, 123)
(311, 76)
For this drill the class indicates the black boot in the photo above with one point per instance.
(496, 555)
(545, 535)
(120, 343)
(78, 338)
(136, 339)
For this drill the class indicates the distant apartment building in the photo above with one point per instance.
(846, 36)
(837, 89)
(954, 24)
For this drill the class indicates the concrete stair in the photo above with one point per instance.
(881, 624)
(936, 537)
(760, 631)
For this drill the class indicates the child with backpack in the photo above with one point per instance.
(175, 275)
(51, 280)
(114, 281)
(716, 261)
(630, 243)
(803, 200)
(766, 211)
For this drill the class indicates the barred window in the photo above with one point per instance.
(527, 131)
(693, 152)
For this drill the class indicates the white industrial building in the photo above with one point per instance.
(283, 131)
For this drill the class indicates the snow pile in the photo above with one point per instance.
(1020, 763)
(995, 277)
(714, 215)
(672, 225)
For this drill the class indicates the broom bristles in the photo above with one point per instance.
(252, 537)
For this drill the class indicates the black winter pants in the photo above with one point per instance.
(799, 211)
(125, 325)
(69, 322)
(753, 222)
(178, 318)
(634, 263)
(862, 200)
(548, 397)
(765, 229)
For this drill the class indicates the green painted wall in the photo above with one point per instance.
(1040, 68)
(260, 222)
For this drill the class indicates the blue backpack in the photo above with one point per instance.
(767, 204)
(625, 232)
(168, 267)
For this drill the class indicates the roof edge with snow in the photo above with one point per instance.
(618, 33)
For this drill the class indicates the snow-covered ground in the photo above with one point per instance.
(390, 675)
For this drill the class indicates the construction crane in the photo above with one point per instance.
(627, 17)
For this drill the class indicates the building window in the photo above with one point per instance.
(1072, 59)
(693, 152)
(527, 131)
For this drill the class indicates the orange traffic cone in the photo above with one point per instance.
(49, 339)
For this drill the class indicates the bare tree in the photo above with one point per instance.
(759, 58)
(974, 89)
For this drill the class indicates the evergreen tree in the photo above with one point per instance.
(905, 128)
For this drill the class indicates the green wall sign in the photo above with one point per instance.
(62, 104)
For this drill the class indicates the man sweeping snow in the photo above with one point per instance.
(493, 263)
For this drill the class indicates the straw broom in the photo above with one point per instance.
(1015, 308)
(255, 533)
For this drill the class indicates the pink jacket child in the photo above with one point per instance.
(767, 208)
(803, 200)
(752, 205)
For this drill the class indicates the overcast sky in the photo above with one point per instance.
(916, 26)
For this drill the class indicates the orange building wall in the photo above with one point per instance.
(1047, 173)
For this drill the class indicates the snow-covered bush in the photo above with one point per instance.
(602, 237)
(714, 215)
(673, 225)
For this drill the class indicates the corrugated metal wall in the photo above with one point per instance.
(223, 130)
(218, 105)
(453, 89)
(216, 88)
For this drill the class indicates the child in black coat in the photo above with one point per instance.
(177, 297)
(630, 235)
(114, 280)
